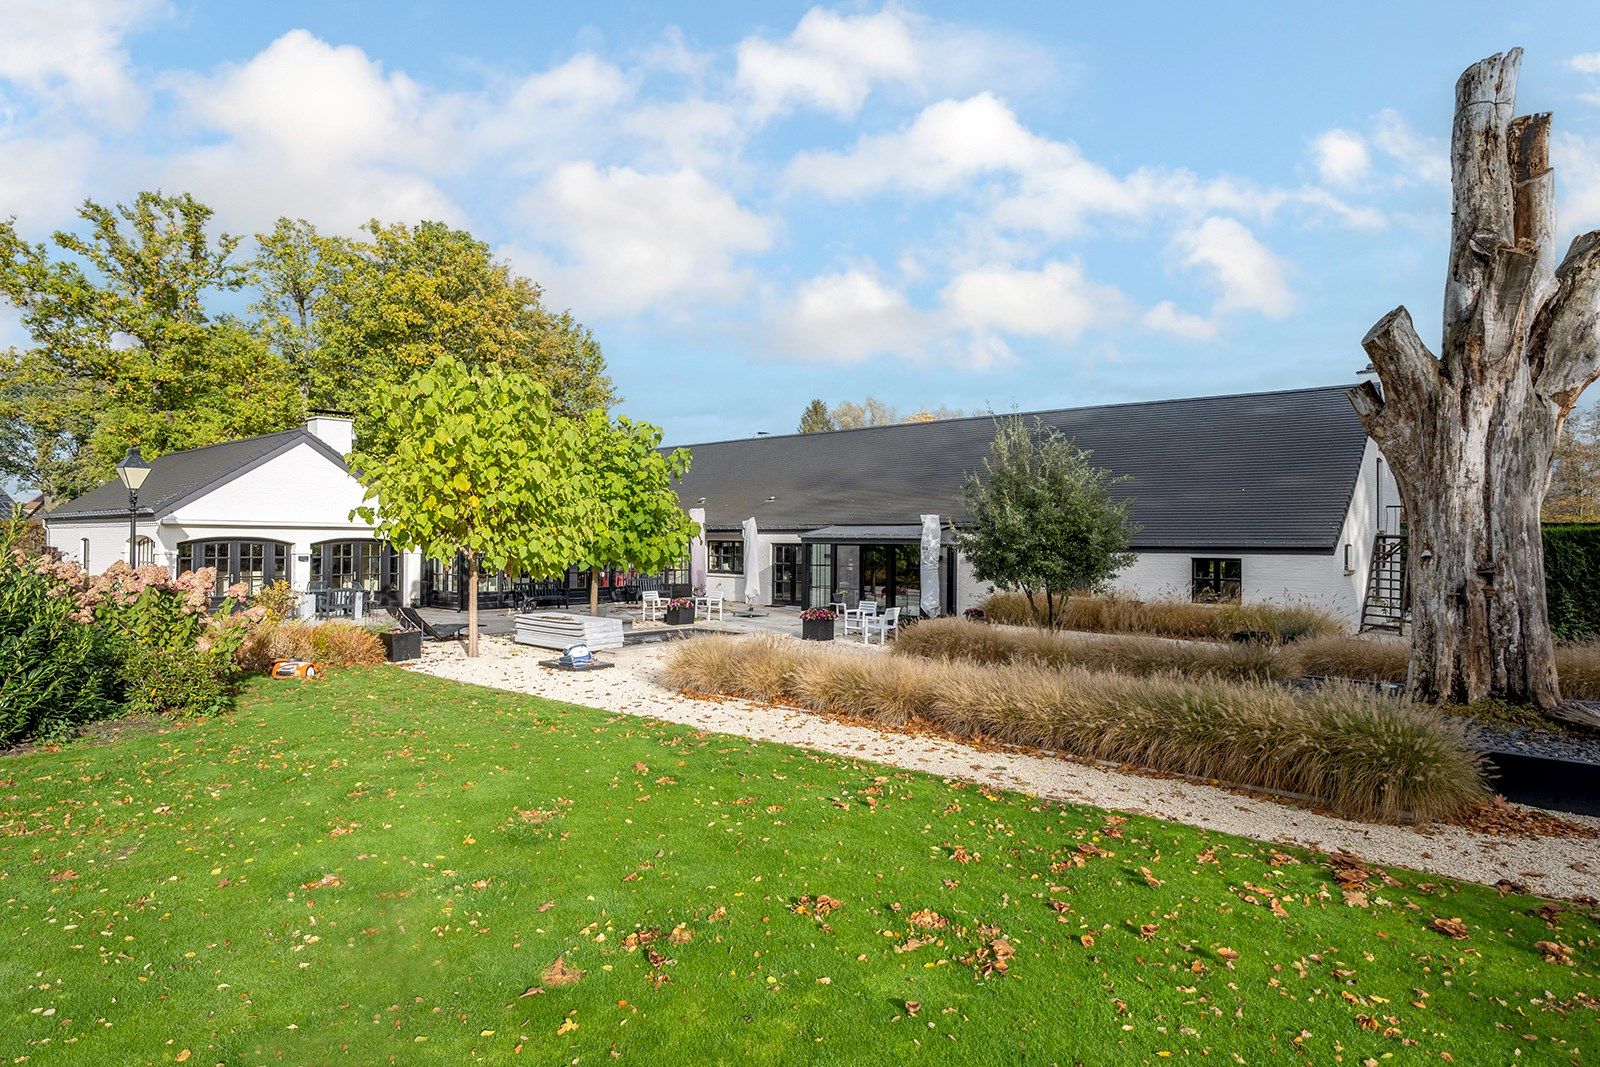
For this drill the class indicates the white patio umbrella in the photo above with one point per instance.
(930, 566)
(752, 565)
(697, 552)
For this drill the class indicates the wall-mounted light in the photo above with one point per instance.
(1349, 558)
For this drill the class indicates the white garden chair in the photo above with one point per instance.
(881, 625)
(855, 617)
(650, 608)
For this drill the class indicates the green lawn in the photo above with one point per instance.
(156, 910)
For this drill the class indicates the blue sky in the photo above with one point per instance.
(1019, 205)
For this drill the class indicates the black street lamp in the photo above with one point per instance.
(133, 470)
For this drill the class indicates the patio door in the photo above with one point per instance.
(786, 586)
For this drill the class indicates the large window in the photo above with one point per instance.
(1216, 581)
(725, 557)
(256, 563)
(365, 564)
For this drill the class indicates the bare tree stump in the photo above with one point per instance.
(1470, 434)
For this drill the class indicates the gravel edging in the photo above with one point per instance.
(1556, 867)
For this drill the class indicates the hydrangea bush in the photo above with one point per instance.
(78, 647)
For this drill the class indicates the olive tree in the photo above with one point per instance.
(1042, 518)
(475, 463)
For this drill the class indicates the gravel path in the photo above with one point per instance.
(1557, 867)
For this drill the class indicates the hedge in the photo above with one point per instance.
(1572, 579)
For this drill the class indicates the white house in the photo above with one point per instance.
(258, 509)
(1257, 497)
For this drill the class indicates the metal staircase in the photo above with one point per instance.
(1386, 606)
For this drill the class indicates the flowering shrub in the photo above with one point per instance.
(277, 601)
(818, 615)
(55, 673)
(180, 654)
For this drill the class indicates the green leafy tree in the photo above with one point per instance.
(633, 520)
(350, 312)
(1043, 521)
(815, 418)
(475, 462)
(291, 278)
(123, 348)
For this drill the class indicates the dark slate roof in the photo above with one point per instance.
(179, 477)
(1263, 471)
(8, 505)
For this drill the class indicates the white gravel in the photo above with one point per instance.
(1557, 867)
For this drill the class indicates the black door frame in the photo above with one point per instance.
(798, 573)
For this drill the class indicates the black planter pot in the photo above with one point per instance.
(679, 616)
(816, 629)
(401, 645)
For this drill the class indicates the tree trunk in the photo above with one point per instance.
(1469, 435)
(594, 590)
(472, 605)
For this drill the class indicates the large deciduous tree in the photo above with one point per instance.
(474, 462)
(632, 517)
(1042, 518)
(123, 349)
(378, 308)
(1469, 434)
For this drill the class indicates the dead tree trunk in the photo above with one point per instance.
(1470, 434)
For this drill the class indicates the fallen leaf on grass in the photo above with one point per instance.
(1452, 928)
(929, 919)
(681, 935)
(1149, 879)
(547, 905)
(559, 973)
(912, 1007)
(327, 881)
(1555, 952)
(566, 1027)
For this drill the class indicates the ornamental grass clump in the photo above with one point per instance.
(1245, 661)
(1167, 618)
(331, 645)
(1359, 754)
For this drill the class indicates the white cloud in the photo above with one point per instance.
(1167, 317)
(1054, 301)
(848, 317)
(322, 131)
(948, 143)
(74, 49)
(1051, 187)
(1341, 157)
(1250, 276)
(830, 61)
(1423, 158)
(1576, 160)
(635, 240)
(1586, 63)
(550, 107)
(42, 179)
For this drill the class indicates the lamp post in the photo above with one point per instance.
(133, 470)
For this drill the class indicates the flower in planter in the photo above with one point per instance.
(818, 615)
(678, 602)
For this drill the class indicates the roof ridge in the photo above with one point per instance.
(1037, 413)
